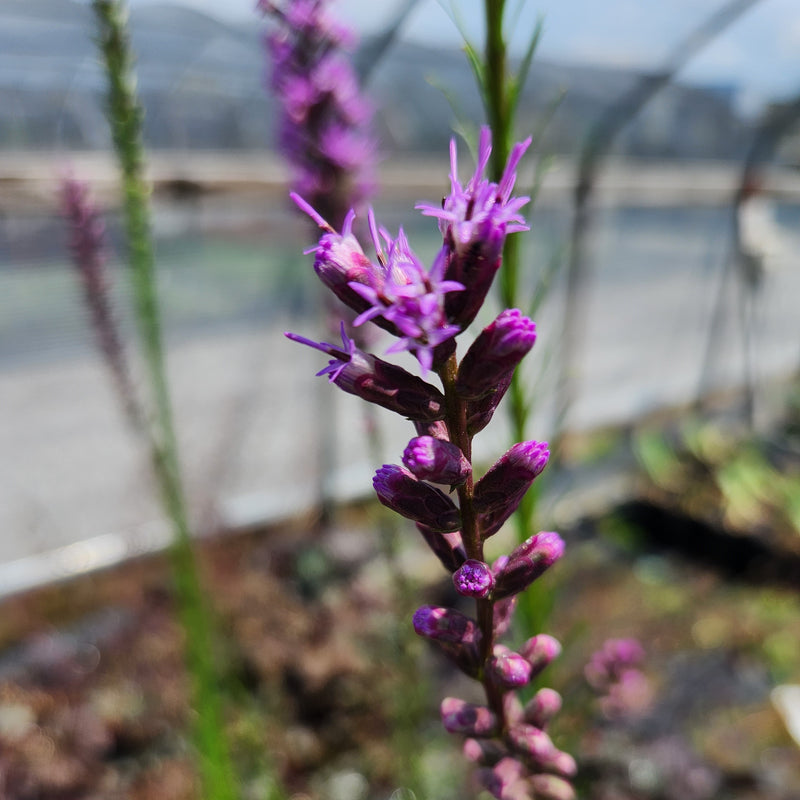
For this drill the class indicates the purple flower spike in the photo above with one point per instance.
(474, 221)
(378, 381)
(89, 255)
(550, 787)
(324, 120)
(399, 490)
(540, 651)
(459, 716)
(527, 562)
(432, 459)
(542, 707)
(494, 355)
(509, 669)
(501, 489)
(473, 579)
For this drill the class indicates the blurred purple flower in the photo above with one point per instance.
(324, 130)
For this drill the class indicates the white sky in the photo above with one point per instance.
(760, 52)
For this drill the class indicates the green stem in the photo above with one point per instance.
(126, 123)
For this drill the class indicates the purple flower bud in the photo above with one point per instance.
(530, 741)
(501, 489)
(505, 780)
(378, 381)
(512, 708)
(431, 459)
(483, 751)
(399, 490)
(542, 707)
(540, 650)
(447, 547)
(508, 669)
(473, 579)
(459, 716)
(527, 562)
(561, 763)
(550, 787)
(494, 355)
(611, 660)
(456, 634)
(437, 429)
(481, 411)
(504, 614)
(445, 625)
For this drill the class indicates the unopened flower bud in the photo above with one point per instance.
(454, 633)
(377, 381)
(542, 707)
(432, 459)
(501, 489)
(399, 490)
(504, 780)
(483, 751)
(494, 355)
(481, 411)
(527, 562)
(444, 624)
(437, 429)
(512, 708)
(504, 614)
(459, 716)
(509, 669)
(531, 742)
(473, 579)
(447, 547)
(540, 650)
(562, 764)
(551, 787)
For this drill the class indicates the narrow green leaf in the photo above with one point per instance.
(518, 84)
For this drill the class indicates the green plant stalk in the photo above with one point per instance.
(500, 92)
(125, 117)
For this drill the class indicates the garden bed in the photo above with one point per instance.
(326, 688)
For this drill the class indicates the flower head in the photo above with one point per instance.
(474, 221)
(324, 126)
(473, 579)
(411, 298)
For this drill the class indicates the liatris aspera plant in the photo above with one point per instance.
(324, 129)
(426, 310)
(89, 252)
(614, 672)
(125, 118)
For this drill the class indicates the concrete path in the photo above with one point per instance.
(74, 485)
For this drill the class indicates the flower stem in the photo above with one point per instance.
(125, 116)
